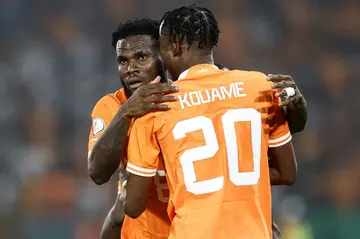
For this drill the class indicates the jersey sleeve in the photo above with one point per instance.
(279, 133)
(101, 117)
(143, 148)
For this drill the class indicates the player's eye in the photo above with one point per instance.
(123, 61)
(142, 57)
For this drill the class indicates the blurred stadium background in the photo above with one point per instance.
(56, 61)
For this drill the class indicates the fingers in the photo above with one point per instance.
(289, 100)
(160, 88)
(160, 107)
(285, 102)
(281, 93)
(156, 80)
(286, 92)
(163, 98)
(278, 78)
(283, 84)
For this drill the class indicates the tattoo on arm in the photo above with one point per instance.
(108, 151)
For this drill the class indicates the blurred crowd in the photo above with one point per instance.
(56, 61)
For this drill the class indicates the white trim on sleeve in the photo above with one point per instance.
(139, 173)
(281, 143)
(272, 141)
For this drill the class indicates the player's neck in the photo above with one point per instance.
(199, 59)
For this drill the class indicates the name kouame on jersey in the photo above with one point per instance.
(193, 98)
(154, 222)
(213, 143)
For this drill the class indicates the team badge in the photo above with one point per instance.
(98, 126)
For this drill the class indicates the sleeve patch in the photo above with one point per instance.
(98, 125)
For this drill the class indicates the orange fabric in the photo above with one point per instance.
(208, 137)
(105, 110)
(154, 222)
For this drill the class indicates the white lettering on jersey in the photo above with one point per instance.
(98, 125)
(193, 98)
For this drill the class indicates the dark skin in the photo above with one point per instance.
(283, 169)
(111, 228)
(137, 58)
(178, 57)
(295, 106)
(113, 222)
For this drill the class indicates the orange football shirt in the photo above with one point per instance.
(213, 143)
(154, 222)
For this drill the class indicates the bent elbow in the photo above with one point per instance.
(134, 208)
(133, 212)
(96, 177)
(290, 179)
(98, 181)
(297, 128)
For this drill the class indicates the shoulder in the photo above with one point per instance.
(109, 102)
(256, 78)
(251, 75)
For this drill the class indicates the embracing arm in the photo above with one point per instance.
(108, 151)
(296, 115)
(111, 229)
(114, 220)
(295, 106)
(283, 165)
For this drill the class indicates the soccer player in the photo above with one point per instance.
(101, 164)
(139, 63)
(275, 229)
(213, 142)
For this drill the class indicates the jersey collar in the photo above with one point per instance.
(198, 70)
(120, 94)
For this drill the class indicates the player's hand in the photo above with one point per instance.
(117, 213)
(123, 174)
(276, 231)
(150, 97)
(281, 82)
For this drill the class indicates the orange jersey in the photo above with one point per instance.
(154, 222)
(214, 143)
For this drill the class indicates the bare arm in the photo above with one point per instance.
(110, 229)
(108, 151)
(296, 115)
(114, 220)
(137, 189)
(283, 165)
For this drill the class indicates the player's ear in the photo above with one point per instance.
(177, 49)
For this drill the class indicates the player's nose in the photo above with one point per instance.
(132, 67)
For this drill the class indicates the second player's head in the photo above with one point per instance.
(187, 37)
(137, 53)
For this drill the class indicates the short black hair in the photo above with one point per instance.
(193, 24)
(143, 26)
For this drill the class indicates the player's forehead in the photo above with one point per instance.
(135, 43)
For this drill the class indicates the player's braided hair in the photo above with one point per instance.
(143, 26)
(192, 24)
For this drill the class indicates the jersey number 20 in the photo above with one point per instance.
(209, 150)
